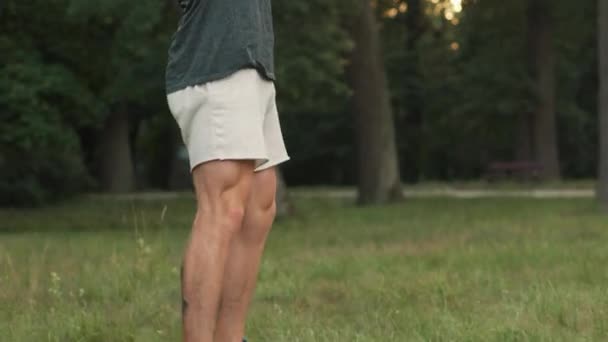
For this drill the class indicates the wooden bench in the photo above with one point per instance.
(520, 170)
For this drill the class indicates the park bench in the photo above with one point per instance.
(519, 170)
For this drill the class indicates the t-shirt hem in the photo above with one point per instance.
(214, 77)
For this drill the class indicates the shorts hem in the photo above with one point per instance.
(272, 163)
(260, 160)
(262, 163)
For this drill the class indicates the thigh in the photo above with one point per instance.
(223, 182)
(261, 208)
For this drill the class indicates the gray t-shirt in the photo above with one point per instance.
(216, 38)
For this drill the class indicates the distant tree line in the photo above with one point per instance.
(373, 94)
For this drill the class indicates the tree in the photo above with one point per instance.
(128, 71)
(43, 106)
(416, 25)
(378, 167)
(542, 69)
(404, 26)
(117, 171)
(602, 190)
(73, 76)
(95, 69)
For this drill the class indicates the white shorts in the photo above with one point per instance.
(234, 118)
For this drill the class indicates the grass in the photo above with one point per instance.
(473, 185)
(426, 270)
(582, 184)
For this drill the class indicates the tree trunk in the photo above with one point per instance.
(542, 67)
(116, 169)
(416, 25)
(379, 179)
(602, 189)
(524, 148)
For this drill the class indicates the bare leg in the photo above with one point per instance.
(222, 191)
(244, 259)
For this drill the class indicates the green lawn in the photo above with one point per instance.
(481, 185)
(426, 270)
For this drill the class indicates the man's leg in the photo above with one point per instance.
(243, 262)
(222, 191)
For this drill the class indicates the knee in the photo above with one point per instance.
(264, 211)
(263, 202)
(221, 215)
(258, 222)
(269, 211)
(231, 216)
(224, 217)
(222, 191)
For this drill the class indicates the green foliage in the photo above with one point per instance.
(311, 49)
(42, 106)
(67, 65)
(474, 94)
(79, 62)
(125, 60)
(577, 86)
(459, 91)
